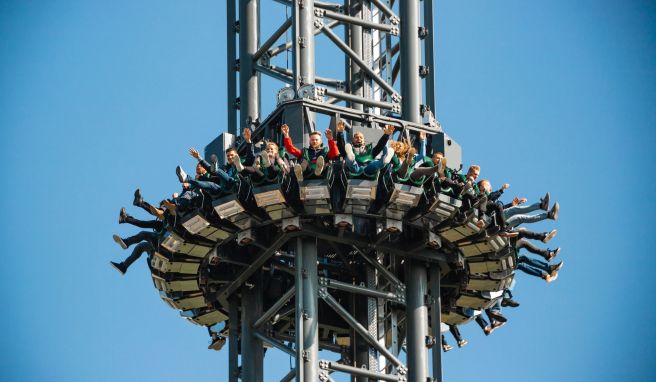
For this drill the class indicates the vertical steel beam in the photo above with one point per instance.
(231, 58)
(252, 351)
(410, 54)
(249, 78)
(233, 340)
(307, 358)
(298, 321)
(416, 321)
(303, 32)
(436, 319)
(355, 43)
(429, 55)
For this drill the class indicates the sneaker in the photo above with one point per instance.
(555, 268)
(549, 278)
(507, 233)
(119, 241)
(446, 347)
(388, 155)
(553, 214)
(488, 330)
(553, 253)
(237, 163)
(217, 343)
(497, 316)
(264, 160)
(182, 175)
(298, 170)
(462, 343)
(122, 216)
(544, 202)
(549, 236)
(441, 167)
(138, 200)
(119, 267)
(319, 168)
(349, 152)
(497, 324)
(509, 302)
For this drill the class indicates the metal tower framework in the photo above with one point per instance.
(381, 39)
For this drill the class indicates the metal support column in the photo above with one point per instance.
(249, 78)
(410, 54)
(231, 60)
(436, 319)
(416, 321)
(303, 32)
(252, 352)
(233, 341)
(429, 55)
(307, 358)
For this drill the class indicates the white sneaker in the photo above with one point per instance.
(182, 175)
(549, 236)
(319, 168)
(388, 157)
(349, 152)
(237, 163)
(119, 241)
(298, 170)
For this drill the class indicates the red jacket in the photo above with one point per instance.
(312, 154)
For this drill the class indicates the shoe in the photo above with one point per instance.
(549, 236)
(349, 152)
(122, 216)
(553, 253)
(446, 347)
(488, 330)
(462, 343)
(544, 202)
(388, 155)
(298, 170)
(237, 162)
(506, 233)
(182, 175)
(497, 324)
(138, 200)
(553, 214)
(509, 302)
(119, 267)
(466, 187)
(497, 316)
(555, 268)
(119, 241)
(549, 278)
(217, 343)
(441, 167)
(321, 162)
(264, 161)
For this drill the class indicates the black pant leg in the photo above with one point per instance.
(524, 233)
(154, 224)
(532, 248)
(137, 252)
(455, 332)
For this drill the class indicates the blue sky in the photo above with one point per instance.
(99, 98)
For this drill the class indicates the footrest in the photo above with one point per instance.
(175, 244)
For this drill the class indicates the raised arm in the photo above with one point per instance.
(333, 151)
(287, 142)
(194, 153)
(249, 157)
(422, 147)
(340, 138)
(382, 142)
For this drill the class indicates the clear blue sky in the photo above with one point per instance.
(98, 98)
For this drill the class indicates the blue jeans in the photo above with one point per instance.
(208, 186)
(518, 219)
(370, 168)
(533, 267)
(514, 210)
